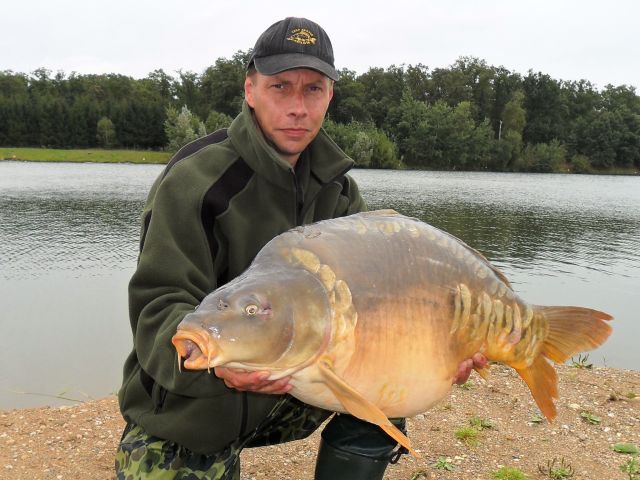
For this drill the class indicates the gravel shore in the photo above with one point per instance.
(598, 408)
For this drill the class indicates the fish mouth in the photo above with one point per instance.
(195, 348)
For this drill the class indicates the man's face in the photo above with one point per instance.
(289, 107)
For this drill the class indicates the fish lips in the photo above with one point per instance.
(196, 348)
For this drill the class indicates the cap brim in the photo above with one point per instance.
(288, 61)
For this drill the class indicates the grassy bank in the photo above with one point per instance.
(89, 155)
(96, 155)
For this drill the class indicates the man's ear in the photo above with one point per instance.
(248, 90)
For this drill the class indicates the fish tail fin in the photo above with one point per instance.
(573, 330)
(570, 330)
(542, 380)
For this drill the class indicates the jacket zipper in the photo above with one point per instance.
(324, 186)
(300, 212)
(299, 200)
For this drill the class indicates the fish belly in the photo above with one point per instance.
(403, 277)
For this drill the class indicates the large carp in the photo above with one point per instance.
(371, 314)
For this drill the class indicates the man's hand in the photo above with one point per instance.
(252, 381)
(464, 369)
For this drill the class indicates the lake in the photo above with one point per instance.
(69, 238)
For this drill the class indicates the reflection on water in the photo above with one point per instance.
(69, 234)
(524, 221)
(71, 218)
(68, 245)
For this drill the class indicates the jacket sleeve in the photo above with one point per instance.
(174, 273)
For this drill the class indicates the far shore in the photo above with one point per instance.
(93, 155)
(98, 155)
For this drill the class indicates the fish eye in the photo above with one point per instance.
(251, 309)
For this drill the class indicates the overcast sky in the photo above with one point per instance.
(597, 40)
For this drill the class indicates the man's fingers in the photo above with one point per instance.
(479, 360)
(464, 370)
(280, 386)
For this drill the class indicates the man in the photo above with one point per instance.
(220, 199)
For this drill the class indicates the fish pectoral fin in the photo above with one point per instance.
(360, 407)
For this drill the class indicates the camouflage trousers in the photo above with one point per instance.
(143, 456)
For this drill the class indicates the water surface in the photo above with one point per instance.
(69, 236)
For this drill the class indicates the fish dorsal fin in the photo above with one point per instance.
(360, 407)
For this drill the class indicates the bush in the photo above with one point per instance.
(368, 146)
(543, 158)
(581, 164)
(182, 128)
(216, 121)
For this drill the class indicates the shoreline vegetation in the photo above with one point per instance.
(98, 155)
(484, 429)
(468, 116)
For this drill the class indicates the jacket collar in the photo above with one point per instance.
(327, 159)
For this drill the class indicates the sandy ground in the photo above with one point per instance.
(78, 442)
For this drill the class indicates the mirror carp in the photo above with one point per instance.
(371, 314)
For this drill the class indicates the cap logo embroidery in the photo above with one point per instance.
(302, 36)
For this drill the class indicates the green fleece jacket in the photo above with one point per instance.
(218, 202)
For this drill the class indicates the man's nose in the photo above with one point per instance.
(297, 105)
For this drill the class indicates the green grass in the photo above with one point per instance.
(591, 418)
(444, 463)
(480, 423)
(537, 419)
(582, 362)
(509, 473)
(628, 448)
(468, 435)
(632, 468)
(468, 385)
(90, 155)
(557, 470)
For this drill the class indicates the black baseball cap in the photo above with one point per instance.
(294, 43)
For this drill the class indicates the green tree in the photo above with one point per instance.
(508, 149)
(442, 137)
(216, 120)
(514, 114)
(505, 83)
(106, 132)
(14, 108)
(382, 90)
(547, 111)
(162, 84)
(221, 86)
(417, 81)
(348, 103)
(182, 128)
(188, 92)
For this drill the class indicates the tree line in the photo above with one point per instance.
(468, 116)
